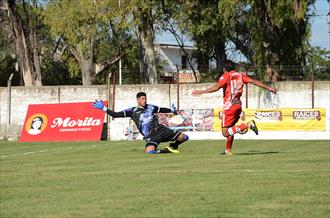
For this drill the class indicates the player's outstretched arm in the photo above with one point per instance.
(165, 110)
(214, 88)
(260, 84)
(100, 105)
(168, 110)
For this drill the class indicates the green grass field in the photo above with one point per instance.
(116, 179)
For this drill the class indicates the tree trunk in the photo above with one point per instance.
(26, 46)
(146, 35)
(202, 62)
(87, 72)
(143, 65)
(36, 74)
(87, 65)
(220, 53)
(85, 61)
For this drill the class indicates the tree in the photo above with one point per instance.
(169, 21)
(77, 25)
(318, 60)
(7, 60)
(25, 20)
(272, 33)
(267, 32)
(144, 18)
(203, 22)
(119, 38)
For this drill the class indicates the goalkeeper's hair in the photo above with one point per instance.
(229, 65)
(140, 94)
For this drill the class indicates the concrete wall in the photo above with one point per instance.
(291, 94)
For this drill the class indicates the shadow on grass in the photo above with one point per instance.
(257, 153)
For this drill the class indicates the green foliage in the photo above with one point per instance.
(78, 21)
(204, 22)
(57, 73)
(125, 43)
(319, 61)
(7, 60)
(268, 33)
(279, 32)
(7, 67)
(83, 25)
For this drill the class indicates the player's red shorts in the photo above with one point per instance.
(231, 116)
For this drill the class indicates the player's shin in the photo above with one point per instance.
(179, 141)
(229, 142)
(242, 128)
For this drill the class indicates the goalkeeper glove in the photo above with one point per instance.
(99, 105)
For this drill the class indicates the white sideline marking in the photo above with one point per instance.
(207, 171)
(33, 152)
(44, 151)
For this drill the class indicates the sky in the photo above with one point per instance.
(320, 25)
(320, 33)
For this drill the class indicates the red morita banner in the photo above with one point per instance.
(62, 122)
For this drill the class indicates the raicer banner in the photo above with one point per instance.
(62, 122)
(282, 119)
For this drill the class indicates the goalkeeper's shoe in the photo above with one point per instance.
(170, 149)
(253, 126)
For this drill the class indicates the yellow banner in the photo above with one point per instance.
(280, 119)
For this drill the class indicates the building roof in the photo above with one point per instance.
(163, 45)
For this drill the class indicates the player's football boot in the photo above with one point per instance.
(170, 149)
(253, 126)
(228, 152)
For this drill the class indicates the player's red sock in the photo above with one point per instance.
(229, 142)
(237, 129)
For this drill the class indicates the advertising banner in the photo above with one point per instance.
(280, 119)
(62, 122)
(189, 120)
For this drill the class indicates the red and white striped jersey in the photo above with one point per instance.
(232, 85)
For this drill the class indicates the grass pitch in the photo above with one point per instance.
(116, 179)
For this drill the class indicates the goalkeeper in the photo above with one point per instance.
(147, 122)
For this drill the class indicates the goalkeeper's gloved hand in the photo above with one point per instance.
(99, 105)
(173, 109)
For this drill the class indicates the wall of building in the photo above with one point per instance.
(172, 56)
(291, 95)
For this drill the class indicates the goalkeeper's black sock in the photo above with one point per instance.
(176, 144)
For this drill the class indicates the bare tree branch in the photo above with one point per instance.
(172, 30)
(105, 64)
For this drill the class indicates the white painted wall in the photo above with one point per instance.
(172, 56)
(291, 95)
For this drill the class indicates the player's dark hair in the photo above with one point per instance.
(229, 65)
(138, 95)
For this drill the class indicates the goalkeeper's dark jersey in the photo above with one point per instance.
(143, 117)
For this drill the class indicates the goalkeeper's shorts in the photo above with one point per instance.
(161, 134)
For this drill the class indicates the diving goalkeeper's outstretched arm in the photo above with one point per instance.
(100, 105)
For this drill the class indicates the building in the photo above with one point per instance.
(172, 59)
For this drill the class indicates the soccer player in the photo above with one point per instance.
(232, 84)
(147, 122)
